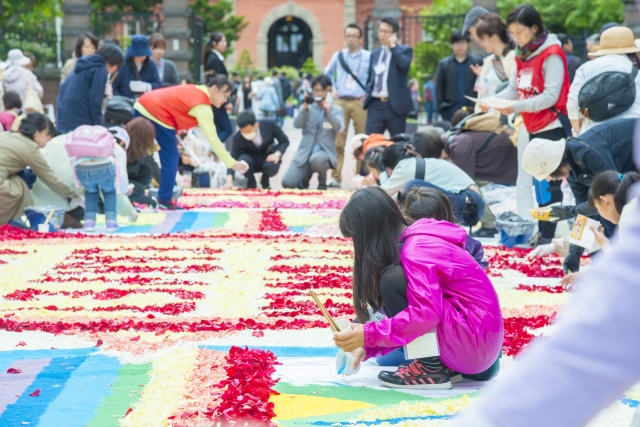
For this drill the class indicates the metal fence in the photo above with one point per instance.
(43, 44)
(197, 45)
(122, 25)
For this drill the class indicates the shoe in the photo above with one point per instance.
(334, 184)
(456, 377)
(133, 216)
(112, 226)
(70, 222)
(168, 206)
(89, 225)
(417, 375)
(485, 232)
(322, 187)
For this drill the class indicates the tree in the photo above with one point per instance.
(308, 66)
(125, 5)
(244, 65)
(29, 13)
(220, 17)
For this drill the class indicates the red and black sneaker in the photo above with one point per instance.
(417, 375)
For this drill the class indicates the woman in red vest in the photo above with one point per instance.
(540, 87)
(184, 107)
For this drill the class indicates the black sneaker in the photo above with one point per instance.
(322, 187)
(168, 206)
(485, 232)
(417, 376)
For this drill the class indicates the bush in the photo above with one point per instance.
(309, 67)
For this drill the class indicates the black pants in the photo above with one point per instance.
(547, 229)
(393, 288)
(258, 163)
(140, 175)
(381, 117)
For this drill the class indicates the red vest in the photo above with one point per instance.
(538, 120)
(171, 105)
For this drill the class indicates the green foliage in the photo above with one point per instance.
(30, 13)
(446, 7)
(244, 64)
(291, 72)
(309, 67)
(220, 17)
(124, 5)
(592, 14)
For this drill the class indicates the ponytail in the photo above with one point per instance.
(620, 198)
(614, 183)
(214, 37)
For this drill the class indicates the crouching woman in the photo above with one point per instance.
(439, 286)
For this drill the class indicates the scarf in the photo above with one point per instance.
(523, 53)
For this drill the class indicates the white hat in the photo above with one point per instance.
(358, 140)
(542, 157)
(121, 135)
(268, 81)
(16, 57)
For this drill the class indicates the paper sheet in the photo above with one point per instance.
(493, 102)
(582, 235)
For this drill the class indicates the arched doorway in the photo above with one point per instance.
(290, 42)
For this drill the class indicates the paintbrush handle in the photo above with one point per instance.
(49, 217)
(324, 311)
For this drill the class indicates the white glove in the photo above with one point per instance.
(108, 91)
(542, 251)
(139, 86)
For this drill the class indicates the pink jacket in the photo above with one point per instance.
(447, 290)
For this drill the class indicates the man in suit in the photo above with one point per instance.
(320, 121)
(388, 99)
(455, 78)
(255, 143)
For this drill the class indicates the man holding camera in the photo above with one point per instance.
(320, 122)
(351, 69)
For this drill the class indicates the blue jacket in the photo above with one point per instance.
(128, 72)
(268, 96)
(80, 99)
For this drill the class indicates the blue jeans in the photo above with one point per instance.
(458, 200)
(169, 158)
(432, 110)
(94, 180)
(224, 127)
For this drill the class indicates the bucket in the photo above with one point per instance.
(37, 215)
(513, 229)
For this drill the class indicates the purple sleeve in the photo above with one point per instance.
(589, 361)
(475, 249)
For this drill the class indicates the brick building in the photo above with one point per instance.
(286, 32)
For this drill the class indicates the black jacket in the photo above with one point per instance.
(215, 64)
(447, 85)
(270, 132)
(399, 93)
(607, 146)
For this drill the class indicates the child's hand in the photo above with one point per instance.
(602, 240)
(352, 340)
(569, 279)
(358, 356)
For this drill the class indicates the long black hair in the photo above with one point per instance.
(35, 122)
(374, 221)
(613, 182)
(396, 152)
(426, 202)
(526, 15)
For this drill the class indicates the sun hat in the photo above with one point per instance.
(16, 57)
(472, 18)
(615, 41)
(606, 26)
(542, 157)
(139, 46)
(121, 135)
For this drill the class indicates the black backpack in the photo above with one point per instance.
(607, 95)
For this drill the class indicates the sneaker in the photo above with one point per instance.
(168, 206)
(485, 232)
(455, 376)
(417, 376)
(133, 216)
(89, 225)
(322, 187)
(112, 226)
(334, 184)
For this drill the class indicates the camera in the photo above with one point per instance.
(309, 99)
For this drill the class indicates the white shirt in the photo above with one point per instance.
(441, 173)
(384, 93)
(589, 70)
(218, 54)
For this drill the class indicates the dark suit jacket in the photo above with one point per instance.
(399, 93)
(447, 84)
(215, 64)
(270, 132)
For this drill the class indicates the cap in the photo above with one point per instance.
(542, 157)
(472, 17)
(121, 135)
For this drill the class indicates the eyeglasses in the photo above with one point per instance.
(352, 36)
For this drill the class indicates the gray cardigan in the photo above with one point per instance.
(170, 76)
(318, 126)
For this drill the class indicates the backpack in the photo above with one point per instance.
(428, 94)
(607, 95)
(90, 141)
(480, 122)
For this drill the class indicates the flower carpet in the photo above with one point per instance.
(212, 324)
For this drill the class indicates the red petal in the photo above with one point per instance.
(35, 393)
(136, 338)
(128, 412)
(21, 344)
(150, 316)
(258, 334)
(99, 343)
(14, 371)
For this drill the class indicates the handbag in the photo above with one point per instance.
(32, 100)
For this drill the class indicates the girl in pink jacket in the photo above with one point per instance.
(440, 286)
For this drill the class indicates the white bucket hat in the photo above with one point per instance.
(542, 157)
(16, 57)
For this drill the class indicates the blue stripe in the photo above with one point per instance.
(287, 351)
(185, 222)
(203, 221)
(89, 384)
(630, 402)
(7, 357)
(136, 229)
(378, 422)
(52, 380)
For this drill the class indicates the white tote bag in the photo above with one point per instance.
(32, 100)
